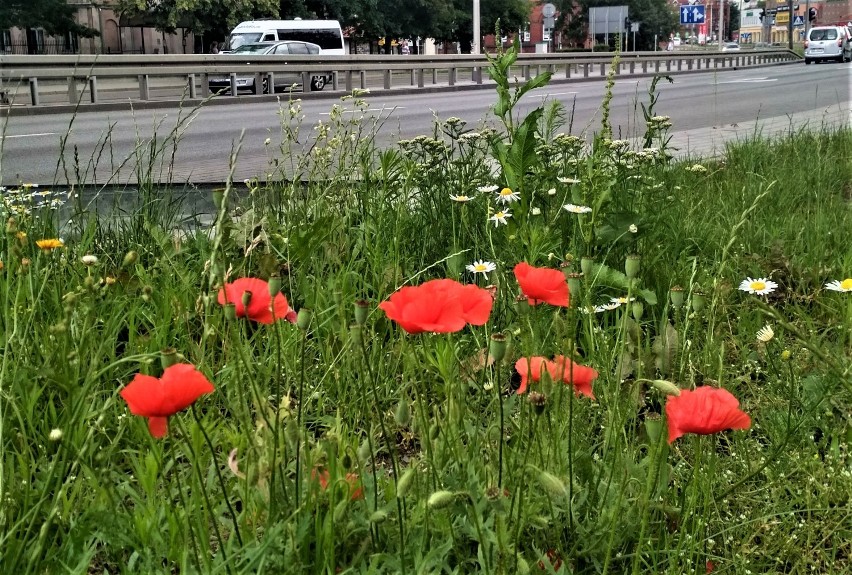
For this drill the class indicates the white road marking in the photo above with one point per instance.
(388, 109)
(31, 135)
(748, 80)
(554, 94)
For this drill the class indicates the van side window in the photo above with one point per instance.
(268, 38)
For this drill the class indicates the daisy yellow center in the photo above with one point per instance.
(758, 286)
(499, 215)
(480, 267)
(505, 192)
(846, 284)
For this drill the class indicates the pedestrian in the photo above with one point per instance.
(405, 50)
(214, 47)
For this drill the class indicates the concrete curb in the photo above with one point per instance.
(13, 111)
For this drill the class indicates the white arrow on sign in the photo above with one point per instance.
(697, 14)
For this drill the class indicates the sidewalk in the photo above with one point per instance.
(712, 142)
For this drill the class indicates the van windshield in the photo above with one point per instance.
(238, 40)
(823, 34)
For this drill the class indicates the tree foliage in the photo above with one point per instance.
(56, 17)
(655, 18)
(214, 17)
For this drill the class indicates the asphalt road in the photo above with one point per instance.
(111, 141)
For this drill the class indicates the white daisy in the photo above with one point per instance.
(621, 300)
(89, 260)
(551, 192)
(632, 229)
(760, 286)
(535, 211)
(500, 217)
(487, 189)
(838, 285)
(507, 196)
(765, 334)
(577, 209)
(607, 307)
(481, 267)
(568, 180)
(460, 198)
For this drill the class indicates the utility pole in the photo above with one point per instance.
(721, 23)
(477, 36)
(790, 25)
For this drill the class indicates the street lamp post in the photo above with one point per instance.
(477, 35)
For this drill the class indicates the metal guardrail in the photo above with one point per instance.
(94, 73)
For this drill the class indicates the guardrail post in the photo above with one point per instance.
(603, 67)
(689, 64)
(586, 70)
(526, 72)
(234, 90)
(698, 63)
(258, 83)
(334, 82)
(644, 66)
(668, 65)
(656, 65)
(270, 81)
(632, 67)
(144, 91)
(411, 77)
(34, 97)
(306, 81)
(72, 90)
(434, 76)
(190, 83)
(93, 89)
(618, 69)
(348, 80)
(363, 79)
(679, 64)
(420, 75)
(387, 75)
(478, 72)
(567, 70)
(451, 80)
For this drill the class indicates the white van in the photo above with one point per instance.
(325, 33)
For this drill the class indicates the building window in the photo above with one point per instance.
(72, 42)
(5, 40)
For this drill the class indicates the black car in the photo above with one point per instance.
(283, 81)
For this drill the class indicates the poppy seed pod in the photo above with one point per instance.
(538, 401)
(638, 309)
(676, 296)
(356, 334)
(575, 284)
(522, 304)
(441, 499)
(246, 298)
(379, 516)
(498, 345)
(274, 285)
(168, 357)
(586, 265)
(653, 427)
(551, 483)
(303, 319)
(230, 311)
(698, 301)
(632, 265)
(362, 309)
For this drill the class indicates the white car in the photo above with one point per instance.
(222, 84)
(730, 47)
(828, 43)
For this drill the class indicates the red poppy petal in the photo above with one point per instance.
(182, 384)
(158, 426)
(476, 304)
(144, 395)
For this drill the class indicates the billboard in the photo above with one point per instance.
(607, 19)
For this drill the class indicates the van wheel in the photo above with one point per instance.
(808, 61)
(318, 83)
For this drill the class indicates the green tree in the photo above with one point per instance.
(213, 17)
(56, 17)
(655, 17)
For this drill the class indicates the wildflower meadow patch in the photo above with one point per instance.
(505, 349)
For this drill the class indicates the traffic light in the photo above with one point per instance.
(627, 23)
(762, 13)
(812, 14)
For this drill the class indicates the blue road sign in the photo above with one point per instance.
(692, 14)
(798, 20)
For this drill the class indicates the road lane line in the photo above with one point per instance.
(388, 109)
(554, 94)
(31, 135)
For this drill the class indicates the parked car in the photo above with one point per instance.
(730, 47)
(828, 43)
(222, 84)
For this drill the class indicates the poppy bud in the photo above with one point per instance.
(666, 387)
(405, 482)
(378, 517)
(130, 258)
(434, 431)
(218, 197)
(55, 434)
(230, 311)
(538, 401)
(340, 509)
(362, 309)
(586, 265)
(364, 451)
(786, 355)
(246, 299)
(274, 285)
(551, 483)
(402, 415)
(631, 266)
(676, 296)
(11, 226)
(523, 566)
(698, 300)
(498, 345)
(25, 265)
(346, 462)
(303, 319)
(356, 333)
(168, 357)
(441, 499)
(638, 310)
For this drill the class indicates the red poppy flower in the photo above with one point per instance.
(324, 477)
(532, 367)
(567, 371)
(262, 308)
(159, 398)
(704, 411)
(439, 306)
(542, 285)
